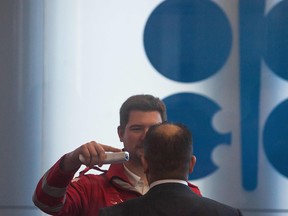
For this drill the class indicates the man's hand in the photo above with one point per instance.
(93, 154)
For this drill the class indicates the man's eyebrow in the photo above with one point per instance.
(136, 125)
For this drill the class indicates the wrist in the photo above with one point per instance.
(69, 163)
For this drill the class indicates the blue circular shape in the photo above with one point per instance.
(197, 112)
(275, 44)
(275, 138)
(187, 41)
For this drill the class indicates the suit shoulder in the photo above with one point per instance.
(221, 207)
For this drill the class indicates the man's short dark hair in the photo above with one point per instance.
(142, 102)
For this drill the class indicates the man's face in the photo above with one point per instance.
(134, 133)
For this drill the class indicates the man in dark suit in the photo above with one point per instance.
(167, 160)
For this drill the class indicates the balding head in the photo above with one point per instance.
(168, 152)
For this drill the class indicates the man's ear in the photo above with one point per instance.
(120, 133)
(192, 163)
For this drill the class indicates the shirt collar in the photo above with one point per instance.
(136, 181)
(133, 178)
(168, 181)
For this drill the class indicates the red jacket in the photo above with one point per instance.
(56, 194)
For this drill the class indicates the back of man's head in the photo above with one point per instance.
(168, 152)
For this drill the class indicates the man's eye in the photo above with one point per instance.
(136, 129)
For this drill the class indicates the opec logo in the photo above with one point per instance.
(190, 41)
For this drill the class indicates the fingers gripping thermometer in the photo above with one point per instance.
(111, 157)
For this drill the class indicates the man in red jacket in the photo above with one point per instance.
(57, 193)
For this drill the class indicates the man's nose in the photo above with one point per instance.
(144, 132)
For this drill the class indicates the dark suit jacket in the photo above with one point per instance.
(170, 199)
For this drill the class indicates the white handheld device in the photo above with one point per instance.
(112, 157)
